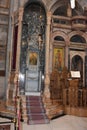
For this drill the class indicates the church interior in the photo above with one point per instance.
(43, 64)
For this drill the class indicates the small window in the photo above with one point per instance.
(78, 39)
(59, 38)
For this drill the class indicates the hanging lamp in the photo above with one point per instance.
(72, 3)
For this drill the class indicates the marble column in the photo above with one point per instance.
(47, 56)
(21, 10)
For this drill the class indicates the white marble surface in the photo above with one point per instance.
(4, 121)
(66, 122)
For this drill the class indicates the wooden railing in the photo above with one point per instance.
(73, 97)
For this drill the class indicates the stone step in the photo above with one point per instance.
(32, 110)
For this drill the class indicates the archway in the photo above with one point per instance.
(33, 47)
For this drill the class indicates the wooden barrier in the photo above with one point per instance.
(75, 99)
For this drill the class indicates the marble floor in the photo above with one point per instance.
(65, 122)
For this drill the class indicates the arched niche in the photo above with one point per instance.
(77, 62)
(33, 24)
(33, 39)
(77, 65)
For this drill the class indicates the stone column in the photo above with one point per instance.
(21, 10)
(47, 57)
(66, 55)
(9, 46)
(69, 10)
(85, 67)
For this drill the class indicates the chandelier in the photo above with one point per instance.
(72, 3)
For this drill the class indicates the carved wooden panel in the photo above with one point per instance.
(55, 85)
(64, 77)
(4, 19)
(58, 81)
(74, 83)
(4, 3)
(4, 11)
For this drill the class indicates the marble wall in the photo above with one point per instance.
(4, 15)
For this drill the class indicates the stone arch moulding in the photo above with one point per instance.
(62, 34)
(74, 53)
(41, 2)
(80, 33)
(79, 54)
(57, 4)
(82, 55)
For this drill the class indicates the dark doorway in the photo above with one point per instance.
(77, 65)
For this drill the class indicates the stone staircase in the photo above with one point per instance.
(33, 111)
(54, 108)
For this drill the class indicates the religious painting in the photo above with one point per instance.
(33, 58)
(58, 58)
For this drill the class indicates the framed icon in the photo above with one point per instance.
(58, 58)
